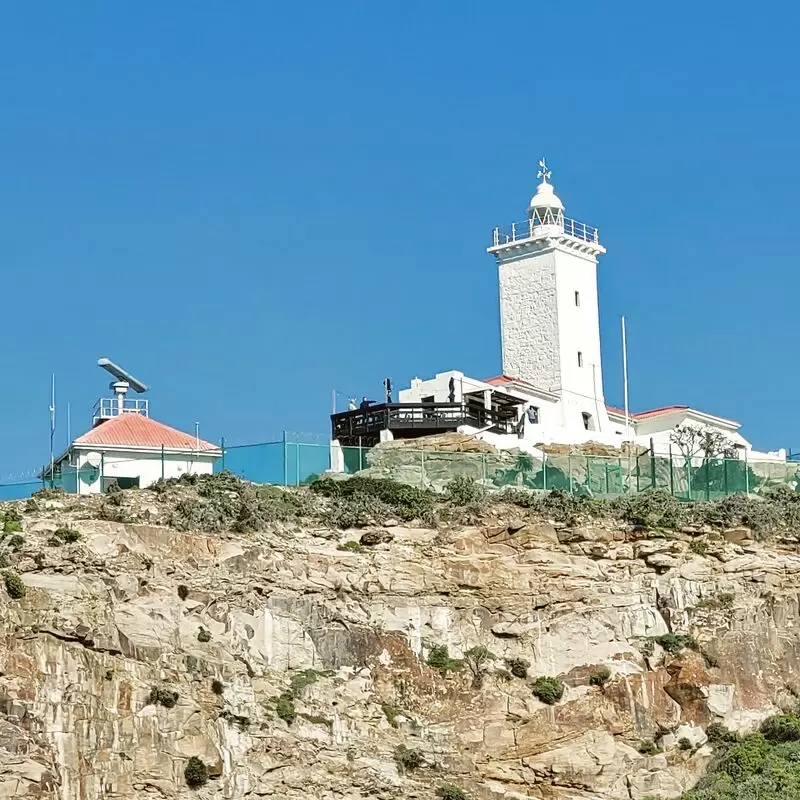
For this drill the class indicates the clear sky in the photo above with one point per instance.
(248, 204)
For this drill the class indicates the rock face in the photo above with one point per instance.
(312, 668)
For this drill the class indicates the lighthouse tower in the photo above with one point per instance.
(549, 316)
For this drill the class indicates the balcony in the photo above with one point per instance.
(108, 407)
(537, 228)
(412, 420)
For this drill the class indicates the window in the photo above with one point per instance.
(429, 399)
(533, 415)
(588, 422)
(580, 358)
(577, 298)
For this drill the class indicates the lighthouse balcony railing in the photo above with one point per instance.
(532, 228)
(108, 407)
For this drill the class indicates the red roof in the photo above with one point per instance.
(500, 379)
(135, 430)
(654, 412)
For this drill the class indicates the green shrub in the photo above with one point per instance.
(12, 515)
(450, 791)
(655, 508)
(196, 773)
(647, 648)
(300, 681)
(162, 696)
(699, 547)
(14, 585)
(284, 708)
(782, 728)
(718, 602)
(351, 546)
(439, 659)
(407, 760)
(464, 491)
(548, 690)
(719, 734)
(406, 502)
(673, 643)
(217, 686)
(31, 506)
(518, 667)
(391, 712)
(477, 660)
(647, 747)
(203, 635)
(11, 525)
(16, 541)
(67, 535)
(684, 743)
(600, 676)
(745, 758)
(183, 591)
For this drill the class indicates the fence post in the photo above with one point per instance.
(671, 474)
(588, 474)
(544, 471)
(422, 468)
(746, 475)
(162, 462)
(569, 468)
(102, 473)
(652, 464)
(297, 463)
(222, 447)
(285, 462)
(725, 475)
(483, 467)
(707, 465)
(606, 466)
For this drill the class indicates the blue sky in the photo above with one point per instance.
(248, 204)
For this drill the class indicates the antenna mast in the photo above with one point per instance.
(52, 421)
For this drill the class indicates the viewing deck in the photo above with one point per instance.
(534, 229)
(411, 420)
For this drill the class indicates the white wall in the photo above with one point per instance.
(529, 317)
(146, 467)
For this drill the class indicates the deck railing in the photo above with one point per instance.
(532, 229)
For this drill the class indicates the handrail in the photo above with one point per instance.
(534, 228)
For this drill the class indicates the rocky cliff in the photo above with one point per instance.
(292, 664)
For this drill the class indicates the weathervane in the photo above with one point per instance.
(544, 173)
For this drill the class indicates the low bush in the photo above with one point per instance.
(406, 502)
(203, 635)
(67, 535)
(684, 743)
(548, 690)
(439, 659)
(477, 660)
(16, 541)
(600, 676)
(717, 602)
(647, 747)
(11, 525)
(284, 708)
(351, 546)
(673, 643)
(782, 728)
(217, 686)
(300, 681)
(391, 712)
(407, 760)
(14, 585)
(162, 696)
(699, 546)
(183, 591)
(464, 491)
(450, 791)
(518, 667)
(196, 773)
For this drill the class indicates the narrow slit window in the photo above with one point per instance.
(580, 358)
(578, 299)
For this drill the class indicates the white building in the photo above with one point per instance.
(126, 447)
(552, 377)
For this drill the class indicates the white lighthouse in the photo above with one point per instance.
(548, 307)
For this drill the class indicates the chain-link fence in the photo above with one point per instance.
(288, 463)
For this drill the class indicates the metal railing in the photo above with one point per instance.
(532, 229)
(108, 407)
